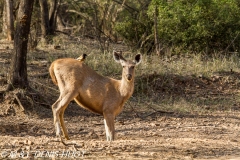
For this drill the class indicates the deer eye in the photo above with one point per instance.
(123, 66)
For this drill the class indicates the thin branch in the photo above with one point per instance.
(232, 42)
(126, 6)
(133, 110)
(40, 75)
(19, 102)
(80, 13)
(43, 85)
(157, 111)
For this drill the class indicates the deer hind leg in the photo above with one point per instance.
(109, 126)
(56, 116)
(64, 130)
(58, 109)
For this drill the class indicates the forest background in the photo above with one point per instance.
(151, 26)
(186, 101)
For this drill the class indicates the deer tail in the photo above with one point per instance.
(52, 74)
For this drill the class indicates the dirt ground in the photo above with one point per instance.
(161, 136)
(150, 135)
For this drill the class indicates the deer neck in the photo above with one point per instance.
(126, 87)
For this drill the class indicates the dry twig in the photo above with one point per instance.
(19, 102)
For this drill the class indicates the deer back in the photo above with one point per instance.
(93, 90)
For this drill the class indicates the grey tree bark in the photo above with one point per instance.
(8, 25)
(18, 68)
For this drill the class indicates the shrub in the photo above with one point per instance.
(198, 25)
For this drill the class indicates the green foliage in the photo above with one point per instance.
(198, 25)
(131, 29)
(193, 25)
(134, 25)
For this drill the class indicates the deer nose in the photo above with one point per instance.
(129, 77)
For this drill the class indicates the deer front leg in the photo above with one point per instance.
(109, 126)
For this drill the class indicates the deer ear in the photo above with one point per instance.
(138, 59)
(117, 56)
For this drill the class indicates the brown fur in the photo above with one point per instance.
(99, 94)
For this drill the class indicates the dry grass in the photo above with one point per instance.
(188, 83)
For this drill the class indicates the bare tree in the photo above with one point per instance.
(48, 18)
(45, 28)
(18, 68)
(53, 15)
(102, 16)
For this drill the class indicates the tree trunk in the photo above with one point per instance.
(44, 19)
(9, 14)
(4, 24)
(60, 24)
(18, 68)
(157, 44)
(53, 15)
(8, 25)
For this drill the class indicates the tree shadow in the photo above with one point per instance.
(214, 93)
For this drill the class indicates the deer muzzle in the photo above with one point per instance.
(129, 77)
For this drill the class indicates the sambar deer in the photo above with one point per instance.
(99, 94)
